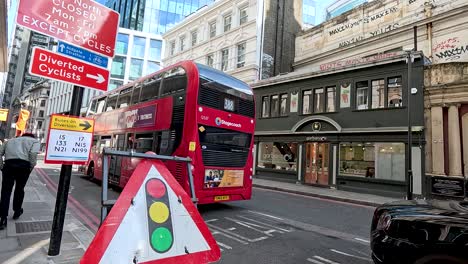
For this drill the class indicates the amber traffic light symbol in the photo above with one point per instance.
(161, 235)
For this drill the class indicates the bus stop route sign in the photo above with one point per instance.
(69, 140)
(84, 23)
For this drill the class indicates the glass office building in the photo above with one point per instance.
(341, 6)
(154, 16)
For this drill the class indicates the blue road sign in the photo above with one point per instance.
(82, 54)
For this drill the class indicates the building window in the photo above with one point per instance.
(182, 43)
(194, 37)
(274, 105)
(227, 22)
(43, 102)
(241, 55)
(284, 105)
(224, 59)
(210, 60)
(361, 95)
(243, 16)
(39, 124)
(384, 161)
(41, 113)
(136, 69)
(265, 106)
(306, 109)
(121, 47)
(319, 102)
(172, 48)
(155, 49)
(113, 84)
(152, 67)
(138, 49)
(213, 29)
(118, 67)
(331, 99)
(277, 155)
(394, 90)
(378, 94)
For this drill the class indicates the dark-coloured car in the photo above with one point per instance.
(420, 232)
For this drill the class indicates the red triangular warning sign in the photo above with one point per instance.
(153, 221)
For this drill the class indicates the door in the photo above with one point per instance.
(316, 165)
(116, 161)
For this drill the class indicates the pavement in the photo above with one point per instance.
(26, 240)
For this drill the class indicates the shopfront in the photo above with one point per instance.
(346, 130)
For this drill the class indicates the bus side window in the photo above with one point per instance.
(136, 95)
(105, 142)
(111, 102)
(92, 108)
(150, 90)
(101, 103)
(144, 142)
(167, 142)
(124, 98)
(174, 81)
(130, 142)
(94, 144)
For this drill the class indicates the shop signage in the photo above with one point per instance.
(448, 186)
(316, 138)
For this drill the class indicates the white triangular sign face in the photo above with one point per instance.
(153, 221)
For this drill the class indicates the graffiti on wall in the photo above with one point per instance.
(450, 49)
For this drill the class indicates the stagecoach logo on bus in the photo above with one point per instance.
(220, 121)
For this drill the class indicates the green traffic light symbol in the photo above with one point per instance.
(161, 239)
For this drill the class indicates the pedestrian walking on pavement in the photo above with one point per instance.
(20, 158)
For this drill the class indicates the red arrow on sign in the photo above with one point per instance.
(57, 67)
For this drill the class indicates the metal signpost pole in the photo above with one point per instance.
(64, 185)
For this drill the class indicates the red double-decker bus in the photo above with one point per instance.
(185, 110)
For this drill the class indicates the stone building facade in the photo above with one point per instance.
(248, 39)
(379, 36)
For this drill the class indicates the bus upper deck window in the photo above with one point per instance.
(150, 89)
(174, 81)
(92, 108)
(100, 105)
(111, 102)
(124, 98)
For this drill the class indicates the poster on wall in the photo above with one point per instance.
(450, 48)
(294, 102)
(345, 92)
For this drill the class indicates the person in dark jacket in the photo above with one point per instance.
(20, 158)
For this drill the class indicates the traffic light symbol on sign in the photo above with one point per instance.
(161, 235)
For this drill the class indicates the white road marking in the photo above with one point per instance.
(223, 232)
(27, 252)
(232, 228)
(211, 220)
(350, 255)
(271, 216)
(224, 245)
(326, 260)
(265, 224)
(314, 261)
(362, 240)
(253, 226)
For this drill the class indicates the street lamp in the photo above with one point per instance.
(409, 176)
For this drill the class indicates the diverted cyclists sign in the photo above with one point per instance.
(83, 23)
(50, 65)
(69, 140)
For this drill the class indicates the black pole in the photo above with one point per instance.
(64, 185)
(409, 185)
(415, 38)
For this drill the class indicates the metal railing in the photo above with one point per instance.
(105, 203)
